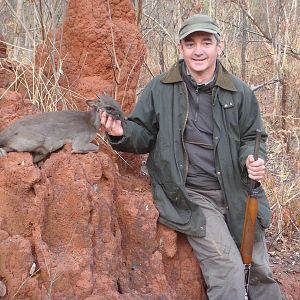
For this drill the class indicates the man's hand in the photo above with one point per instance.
(110, 125)
(256, 168)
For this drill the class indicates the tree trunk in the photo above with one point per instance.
(18, 28)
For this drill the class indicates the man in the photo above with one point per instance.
(198, 123)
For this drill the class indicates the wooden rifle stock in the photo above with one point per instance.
(249, 229)
(250, 222)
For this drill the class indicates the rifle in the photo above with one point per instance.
(250, 222)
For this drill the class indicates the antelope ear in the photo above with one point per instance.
(91, 103)
(103, 94)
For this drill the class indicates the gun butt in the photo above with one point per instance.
(249, 229)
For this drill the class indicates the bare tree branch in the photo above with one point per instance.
(295, 53)
(269, 82)
(162, 27)
(19, 20)
(260, 29)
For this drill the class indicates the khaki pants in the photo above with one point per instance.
(220, 259)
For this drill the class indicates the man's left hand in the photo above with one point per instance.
(256, 168)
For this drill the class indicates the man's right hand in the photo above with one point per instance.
(110, 125)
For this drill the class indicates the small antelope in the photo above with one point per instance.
(46, 132)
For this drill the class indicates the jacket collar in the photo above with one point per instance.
(224, 79)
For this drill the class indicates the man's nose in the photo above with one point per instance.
(198, 49)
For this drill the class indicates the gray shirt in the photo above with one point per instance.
(198, 135)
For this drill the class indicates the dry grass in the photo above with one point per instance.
(283, 177)
(40, 80)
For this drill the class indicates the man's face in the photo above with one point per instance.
(200, 51)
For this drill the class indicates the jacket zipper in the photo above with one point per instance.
(186, 118)
(214, 96)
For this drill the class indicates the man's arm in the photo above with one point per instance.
(249, 121)
(136, 134)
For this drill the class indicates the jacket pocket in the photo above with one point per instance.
(230, 118)
(171, 191)
(170, 203)
(264, 211)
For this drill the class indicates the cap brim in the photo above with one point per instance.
(197, 30)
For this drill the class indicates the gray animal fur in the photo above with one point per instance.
(46, 132)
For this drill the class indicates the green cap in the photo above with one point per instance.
(198, 23)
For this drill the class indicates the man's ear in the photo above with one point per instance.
(179, 47)
(221, 45)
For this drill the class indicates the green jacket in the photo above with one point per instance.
(156, 126)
